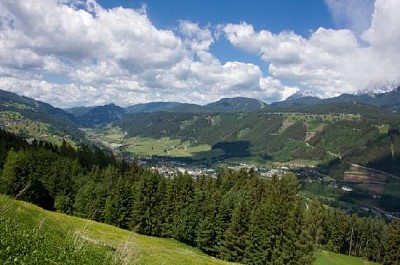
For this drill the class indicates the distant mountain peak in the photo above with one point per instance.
(102, 114)
(378, 88)
(237, 104)
(109, 106)
(303, 94)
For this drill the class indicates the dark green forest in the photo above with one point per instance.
(236, 216)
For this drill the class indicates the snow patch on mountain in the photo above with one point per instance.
(303, 94)
(378, 88)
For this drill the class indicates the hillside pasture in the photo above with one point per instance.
(45, 237)
(50, 237)
(18, 124)
(147, 146)
(143, 146)
(366, 179)
(329, 258)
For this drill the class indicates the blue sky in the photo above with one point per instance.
(298, 16)
(87, 52)
(302, 17)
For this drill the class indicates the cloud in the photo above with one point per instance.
(351, 14)
(384, 33)
(196, 38)
(118, 55)
(115, 55)
(314, 62)
(330, 62)
(275, 89)
(49, 28)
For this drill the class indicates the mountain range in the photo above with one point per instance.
(57, 121)
(330, 133)
(389, 100)
(70, 119)
(108, 113)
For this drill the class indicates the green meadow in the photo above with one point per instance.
(31, 235)
(143, 146)
(329, 258)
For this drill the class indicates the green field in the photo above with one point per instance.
(146, 146)
(329, 258)
(311, 117)
(110, 242)
(162, 147)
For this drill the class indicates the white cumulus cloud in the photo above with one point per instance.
(330, 62)
(114, 55)
(352, 14)
(118, 55)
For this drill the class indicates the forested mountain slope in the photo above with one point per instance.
(101, 115)
(236, 215)
(238, 104)
(36, 118)
(355, 132)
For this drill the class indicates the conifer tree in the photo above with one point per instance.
(392, 244)
(303, 236)
(187, 226)
(147, 205)
(167, 216)
(118, 206)
(257, 236)
(90, 201)
(183, 189)
(15, 174)
(234, 244)
(207, 234)
(223, 218)
(375, 231)
(314, 218)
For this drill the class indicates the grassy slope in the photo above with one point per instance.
(138, 249)
(147, 146)
(21, 125)
(329, 258)
(162, 147)
(131, 248)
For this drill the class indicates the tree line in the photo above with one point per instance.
(236, 215)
